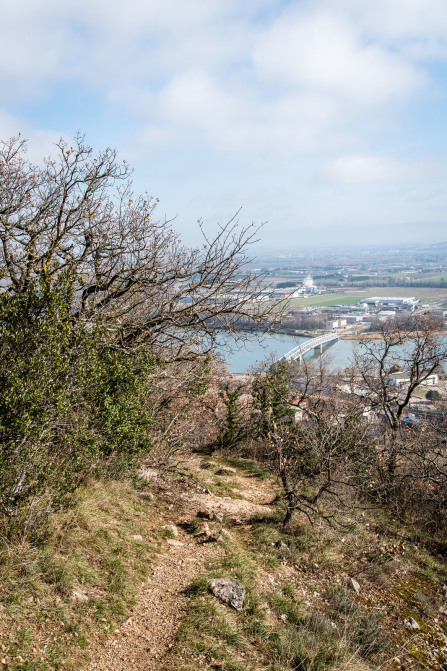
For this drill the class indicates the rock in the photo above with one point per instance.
(218, 517)
(205, 514)
(147, 473)
(137, 537)
(174, 543)
(411, 624)
(203, 531)
(353, 584)
(172, 529)
(212, 538)
(282, 546)
(78, 596)
(228, 590)
(284, 617)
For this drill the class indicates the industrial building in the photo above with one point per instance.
(394, 302)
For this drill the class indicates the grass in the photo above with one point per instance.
(353, 296)
(248, 466)
(299, 612)
(89, 550)
(277, 629)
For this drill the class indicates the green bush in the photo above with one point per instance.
(433, 395)
(69, 404)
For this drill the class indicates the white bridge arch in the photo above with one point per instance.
(314, 343)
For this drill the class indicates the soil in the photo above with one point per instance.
(146, 636)
(144, 639)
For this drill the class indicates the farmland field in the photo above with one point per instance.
(355, 295)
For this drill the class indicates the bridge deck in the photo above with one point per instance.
(299, 351)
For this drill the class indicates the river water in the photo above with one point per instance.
(242, 357)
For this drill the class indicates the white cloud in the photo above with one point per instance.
(324, 52)
(366, 169)
(263, 76)
(417, 27)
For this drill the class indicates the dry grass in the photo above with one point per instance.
(89, 550)
(299, 612)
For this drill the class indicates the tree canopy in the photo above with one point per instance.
(78, 215)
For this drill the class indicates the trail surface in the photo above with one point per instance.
(143, 640)
(145, 637)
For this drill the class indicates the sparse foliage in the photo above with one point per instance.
(105, 315)
(78, 214)
(413, 348)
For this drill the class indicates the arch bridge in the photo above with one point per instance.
(297, 353)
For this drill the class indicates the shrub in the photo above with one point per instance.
(69, 403)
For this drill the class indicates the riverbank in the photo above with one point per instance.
(374, 335)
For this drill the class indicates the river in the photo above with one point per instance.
(240, 358)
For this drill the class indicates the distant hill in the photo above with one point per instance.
(400, 235)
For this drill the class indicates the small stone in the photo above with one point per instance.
(411, 624)
(78, 596)
(205, 514)
(147, 473)
(172, 529)
(203, 532)
(218, 517)
(137, 537)
(228, 590)
(212, 538)
(284, 617)
(353, 584)
(174, 543)
(147, 495)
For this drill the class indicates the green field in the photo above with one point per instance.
(432, 278)
(355, 295)
(326, 300)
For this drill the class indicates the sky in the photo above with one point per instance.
(326, 119)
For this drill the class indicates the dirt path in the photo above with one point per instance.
(142, 642)
(144, 639)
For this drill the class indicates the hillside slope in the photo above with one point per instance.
(142, 557)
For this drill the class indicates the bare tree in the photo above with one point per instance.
(318, 455)
(412, 351)
(320, 459)
(77, 214)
